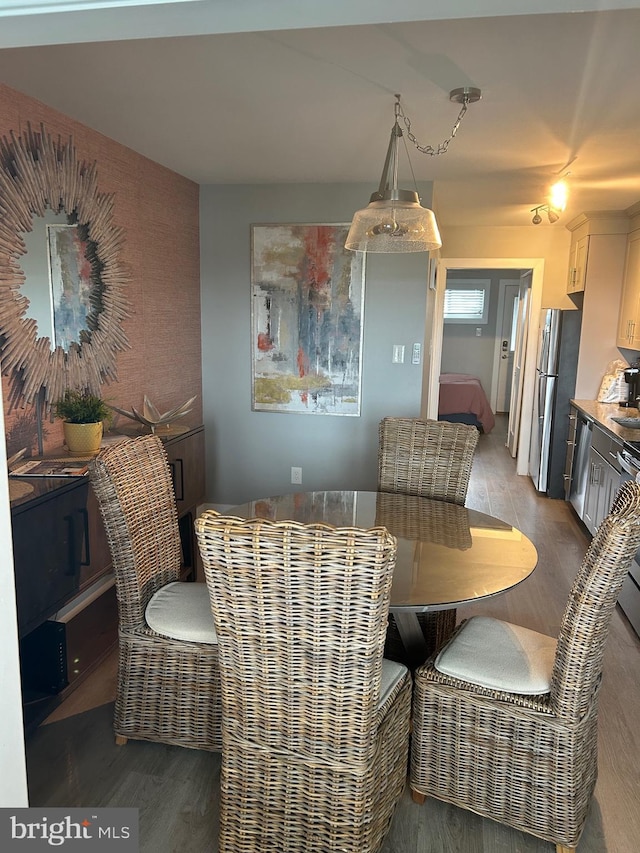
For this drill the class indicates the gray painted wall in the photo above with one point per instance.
(462, 351)
(250, 454)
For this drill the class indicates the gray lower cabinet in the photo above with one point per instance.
(603, 478)
(593, 475)
(602, 484)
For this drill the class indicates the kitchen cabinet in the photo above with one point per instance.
(603, 479)
(629, 598)
(598, 248)
(578, 257)
(629, 320)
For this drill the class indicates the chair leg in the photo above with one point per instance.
(419, 798)
(121, 740)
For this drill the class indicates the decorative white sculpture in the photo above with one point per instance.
(151, 417)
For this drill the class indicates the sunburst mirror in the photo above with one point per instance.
(62, 299)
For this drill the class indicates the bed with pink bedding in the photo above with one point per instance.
(462, 399)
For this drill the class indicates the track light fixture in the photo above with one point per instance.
(557, 201)
(394, 220)
(552, 214)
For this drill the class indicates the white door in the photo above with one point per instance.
(519, 351)
(507, 325)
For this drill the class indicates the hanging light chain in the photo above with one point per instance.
(465, 98)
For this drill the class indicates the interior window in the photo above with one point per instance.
(466, 301)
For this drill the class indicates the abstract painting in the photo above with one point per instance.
(307, 320)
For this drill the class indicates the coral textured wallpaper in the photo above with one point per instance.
(159, 211)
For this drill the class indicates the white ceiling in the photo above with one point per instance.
(316, 103)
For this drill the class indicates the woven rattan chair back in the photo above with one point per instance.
(587, 616)
(432, 459)
(301, 614)
(314, 759)
(540, 773)
(133, 485)
(168, 689)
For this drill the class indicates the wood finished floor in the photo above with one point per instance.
(73, 761)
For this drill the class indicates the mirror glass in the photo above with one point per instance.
(61, 283)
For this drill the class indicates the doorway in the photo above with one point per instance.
(505, 344)
(522, 405)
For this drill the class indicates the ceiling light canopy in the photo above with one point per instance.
(394, 220)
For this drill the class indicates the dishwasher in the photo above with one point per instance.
(629, 598)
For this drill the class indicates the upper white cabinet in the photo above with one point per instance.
(629, 322)
(578, 264)
(596, 268)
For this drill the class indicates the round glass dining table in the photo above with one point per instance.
(447, 555)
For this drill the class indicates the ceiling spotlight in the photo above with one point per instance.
(558, 195)
(537, 219)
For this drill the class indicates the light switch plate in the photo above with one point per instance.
(398, 354)
(415, 355)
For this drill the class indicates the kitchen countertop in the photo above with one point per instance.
(601, 414)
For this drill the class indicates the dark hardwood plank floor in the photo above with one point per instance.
(73, 761)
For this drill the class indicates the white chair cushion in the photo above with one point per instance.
(499, 656)
(392, 673)
(182, 611)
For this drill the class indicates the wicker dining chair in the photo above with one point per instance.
(168, 687)
(505, 719)
(315, 724)
(430, 459)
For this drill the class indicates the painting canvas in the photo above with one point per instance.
(70, 277)
(307, 320)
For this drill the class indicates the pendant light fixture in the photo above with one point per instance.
(394, 220)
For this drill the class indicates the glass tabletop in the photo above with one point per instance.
(447, 554)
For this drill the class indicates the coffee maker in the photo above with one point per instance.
(632, 378)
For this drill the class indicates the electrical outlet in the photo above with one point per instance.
(296, 476)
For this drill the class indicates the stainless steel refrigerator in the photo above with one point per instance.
(556, 368)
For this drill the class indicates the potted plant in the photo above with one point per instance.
(83, 414)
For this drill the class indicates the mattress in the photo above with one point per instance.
(463, 395)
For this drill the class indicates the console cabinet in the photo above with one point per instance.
(50, 535)
(66, 602)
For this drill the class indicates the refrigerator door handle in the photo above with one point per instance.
(547, 390)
